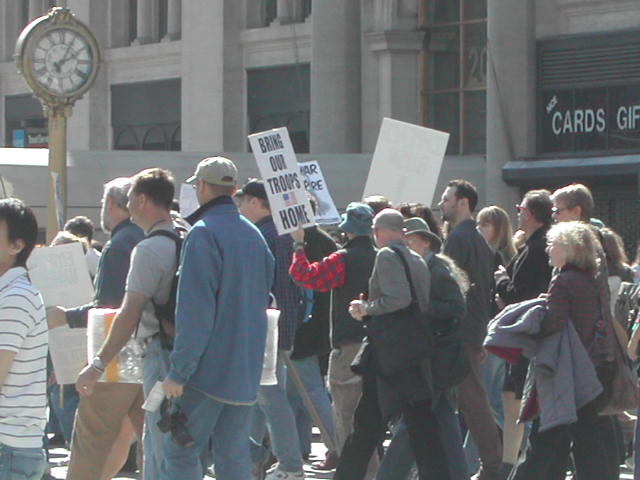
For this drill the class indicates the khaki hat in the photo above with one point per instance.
(389, 219)
(418, 226)
(216, 171)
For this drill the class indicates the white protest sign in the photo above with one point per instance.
(314, 182)
(68, 350)
(406, 162)
(188, 200)
(61, 274)
(279, 169)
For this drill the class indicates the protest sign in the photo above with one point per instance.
(406, 162)
(188, 200)
(284, 184)
(314, 182)
(61, 274)
(68, 350)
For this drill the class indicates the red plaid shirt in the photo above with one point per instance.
(324, 275)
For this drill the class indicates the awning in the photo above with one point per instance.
(615, 168)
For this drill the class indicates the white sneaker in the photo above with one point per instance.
(278, 474)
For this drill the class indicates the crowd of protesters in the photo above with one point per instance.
(481, 351)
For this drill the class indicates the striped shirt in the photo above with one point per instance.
(23, 329)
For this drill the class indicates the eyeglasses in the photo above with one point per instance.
(555, 210)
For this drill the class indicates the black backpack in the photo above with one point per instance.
(166, 313)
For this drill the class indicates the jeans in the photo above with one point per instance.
(155, 366)
(66, 412)
(228, 427)
(280, 420)
(21, 463)
(309, 371)
(398, 459)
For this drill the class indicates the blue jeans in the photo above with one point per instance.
(65, 413)
(309, 371)
(21, 463)
(228, 427)
(155, 366)
(493, 372)
(398, 459)
(278, 415)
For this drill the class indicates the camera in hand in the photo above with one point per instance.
(175, 421)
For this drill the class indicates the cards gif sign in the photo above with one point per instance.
(290, 206)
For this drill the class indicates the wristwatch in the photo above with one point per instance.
(98, 364)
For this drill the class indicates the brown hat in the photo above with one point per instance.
(418, 226)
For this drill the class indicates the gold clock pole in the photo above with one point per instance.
(57, 209)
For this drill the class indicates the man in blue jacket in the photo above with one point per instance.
(223, 293)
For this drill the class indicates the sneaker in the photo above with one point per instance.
(330, 462)
(278, 474)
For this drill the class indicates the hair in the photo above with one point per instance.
(412, 210)
(576, 195)
(80, 226)
(377, 203)
(613, 247)
(64, 237)
(465, 189)
(21, 225)
(156, 184)
(540, 205)
(581, 244)
(118, 191)
(503, 242)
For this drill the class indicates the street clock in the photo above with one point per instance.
(58, 57)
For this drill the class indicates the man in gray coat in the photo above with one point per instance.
(407, 391)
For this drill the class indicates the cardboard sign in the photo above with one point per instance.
(188, 200)
(61, 274)
(406, 162)
(68, 350)
(314, 182)
(279, 169)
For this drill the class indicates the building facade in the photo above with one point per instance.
(533, 92)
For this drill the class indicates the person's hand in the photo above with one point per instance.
(500, 273)
(632, 349)
(56, 317)
(298, 235)
(87, 380)
(172, 389)
(356, 308)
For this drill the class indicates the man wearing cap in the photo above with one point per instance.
(346, 274)
(447, 306)
(272, 399)
(216, 363)
(409, 391)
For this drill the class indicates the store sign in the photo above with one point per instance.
(591, 119)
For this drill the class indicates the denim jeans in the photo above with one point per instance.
(493, 372)
(398, 459)
(309, 371)
(21, 463)
(65, 413)
(279, 418)
(155, 366)
(228, 427)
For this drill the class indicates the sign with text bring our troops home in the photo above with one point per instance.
(290, 206)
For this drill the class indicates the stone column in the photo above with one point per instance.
(398, 89)
(174, 20)
(284, 14)
(335, 77)
(143, 24)
(511, 92)
(36, 9)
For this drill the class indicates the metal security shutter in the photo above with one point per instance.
(581, 61)
(618, 207)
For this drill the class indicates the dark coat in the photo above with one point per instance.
(312, 336)
(529, 271)
(446, 302)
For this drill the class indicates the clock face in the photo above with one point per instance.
(62, 61)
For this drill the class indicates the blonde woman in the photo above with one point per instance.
(573, 297)
(495, 226)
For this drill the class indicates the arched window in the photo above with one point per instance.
(176, 140)
(154, 139)
(126, 139)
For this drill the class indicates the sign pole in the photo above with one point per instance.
(57, 208)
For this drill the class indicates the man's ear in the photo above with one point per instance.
(17, 246)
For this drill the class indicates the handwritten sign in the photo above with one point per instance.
(314, 182)
(290, 206)
(406, 162)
